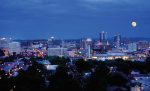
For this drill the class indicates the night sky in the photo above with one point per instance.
(35, 19)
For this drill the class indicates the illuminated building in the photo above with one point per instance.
(72, 53)
(143, 45)
(103, 37)
(48, 65)
(70, 45)
(132, 47)
(88, 47)
(82, 43)
(52, 43)
(112, 56)
(117, 41)
(147, 52)
(136, 86)
(103, 43)
(57, 51)
(14, 47)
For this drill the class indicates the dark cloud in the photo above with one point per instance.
(42, 18)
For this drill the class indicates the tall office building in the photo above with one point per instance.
(103, 37)
(50, 42)
(54, 43)
(83, 43)
(117, 41)
(103, 43)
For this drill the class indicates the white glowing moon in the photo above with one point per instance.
(134, 24)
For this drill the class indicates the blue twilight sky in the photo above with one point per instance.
(29, 19)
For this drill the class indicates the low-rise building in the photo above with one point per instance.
(112, 56)
(57, 51)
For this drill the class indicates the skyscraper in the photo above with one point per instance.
(103, 42)
(50, 42)
(103, 37)
(117, 41)
(82, 43)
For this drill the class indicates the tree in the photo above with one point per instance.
(118, 80)
(124, 67)
(98, 80)
(2, 53)
(148, 64)
(29, 80)
(59, 61)
(61, 81)
(5, 82)
(82, 66)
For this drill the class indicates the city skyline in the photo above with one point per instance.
(38, 19)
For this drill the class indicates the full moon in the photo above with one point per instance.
(134, 24)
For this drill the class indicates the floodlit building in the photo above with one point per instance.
(48, 65)
(112, 56)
